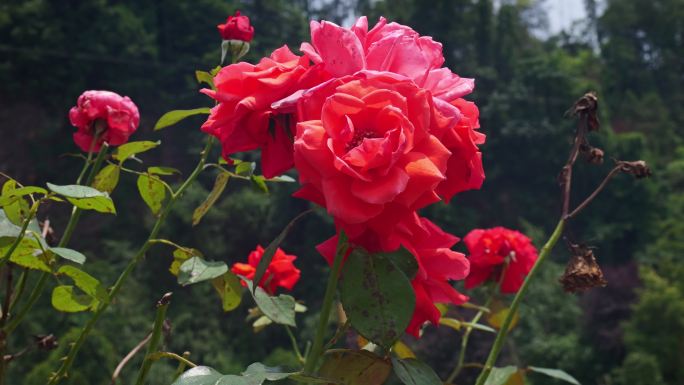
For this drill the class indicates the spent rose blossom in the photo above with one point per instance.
(499, 251)
(243, 119)
(281, 272)
(115, 116)
(237, 27)
(367, 154)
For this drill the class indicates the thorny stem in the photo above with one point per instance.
(162, 306)
(69, 359)
(317, 347)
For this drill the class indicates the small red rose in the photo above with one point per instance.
(111, 116)
(499, 251)
(281, 272)
(237, 27)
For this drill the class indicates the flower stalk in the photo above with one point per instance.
(317, 347)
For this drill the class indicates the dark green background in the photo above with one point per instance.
(630, 51)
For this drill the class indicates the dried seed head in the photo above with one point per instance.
(586, 106)
(638, 168)
(582, 272)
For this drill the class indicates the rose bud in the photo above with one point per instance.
(103, 116)
(236, 32)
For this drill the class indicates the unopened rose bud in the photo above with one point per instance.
(582, 272)
(236, 32)
(638, 168)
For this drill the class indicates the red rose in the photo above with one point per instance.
(367, 153)
(243, 119)
(499, 251)
(281, 272)
(237, 27)
(116, 116)
(438, 265)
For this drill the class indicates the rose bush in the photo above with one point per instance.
(105, 114)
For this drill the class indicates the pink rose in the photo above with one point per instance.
(116, 116)
(367, 154)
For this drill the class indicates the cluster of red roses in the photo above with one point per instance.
(377, 130)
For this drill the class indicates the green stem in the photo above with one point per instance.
(183, 361)
(503, 332)
(295, 346)
(22, 232)
(75, 211)
(154, 341)
(466, 337)
(317, 347)
(68, 361)
(19, 290)
(63, 242)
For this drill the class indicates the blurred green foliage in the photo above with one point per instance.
(630, 51)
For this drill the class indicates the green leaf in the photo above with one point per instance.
(18, 209)
(76, 191)
(377, 297)
(180, 256)
(282, 179)
(219, 185)
(102, 204)
(85, 197)
(413, 372)
(152, 191)
(245, 168)
(12, 195)
(260, 183)
(84, 281)
(129, 149)
(259, 370)
(255, 374)
(196, 270)
(499, 376)
(65, 299)
(268, 254)
(163, 170)
(107, 179)
(229, 289)
(404, 260)
(28, 254)
(351, 367)
(71, 255)
(205, 77)
(7, 228)
(280, 309)
(555, 373)
(172, 117)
